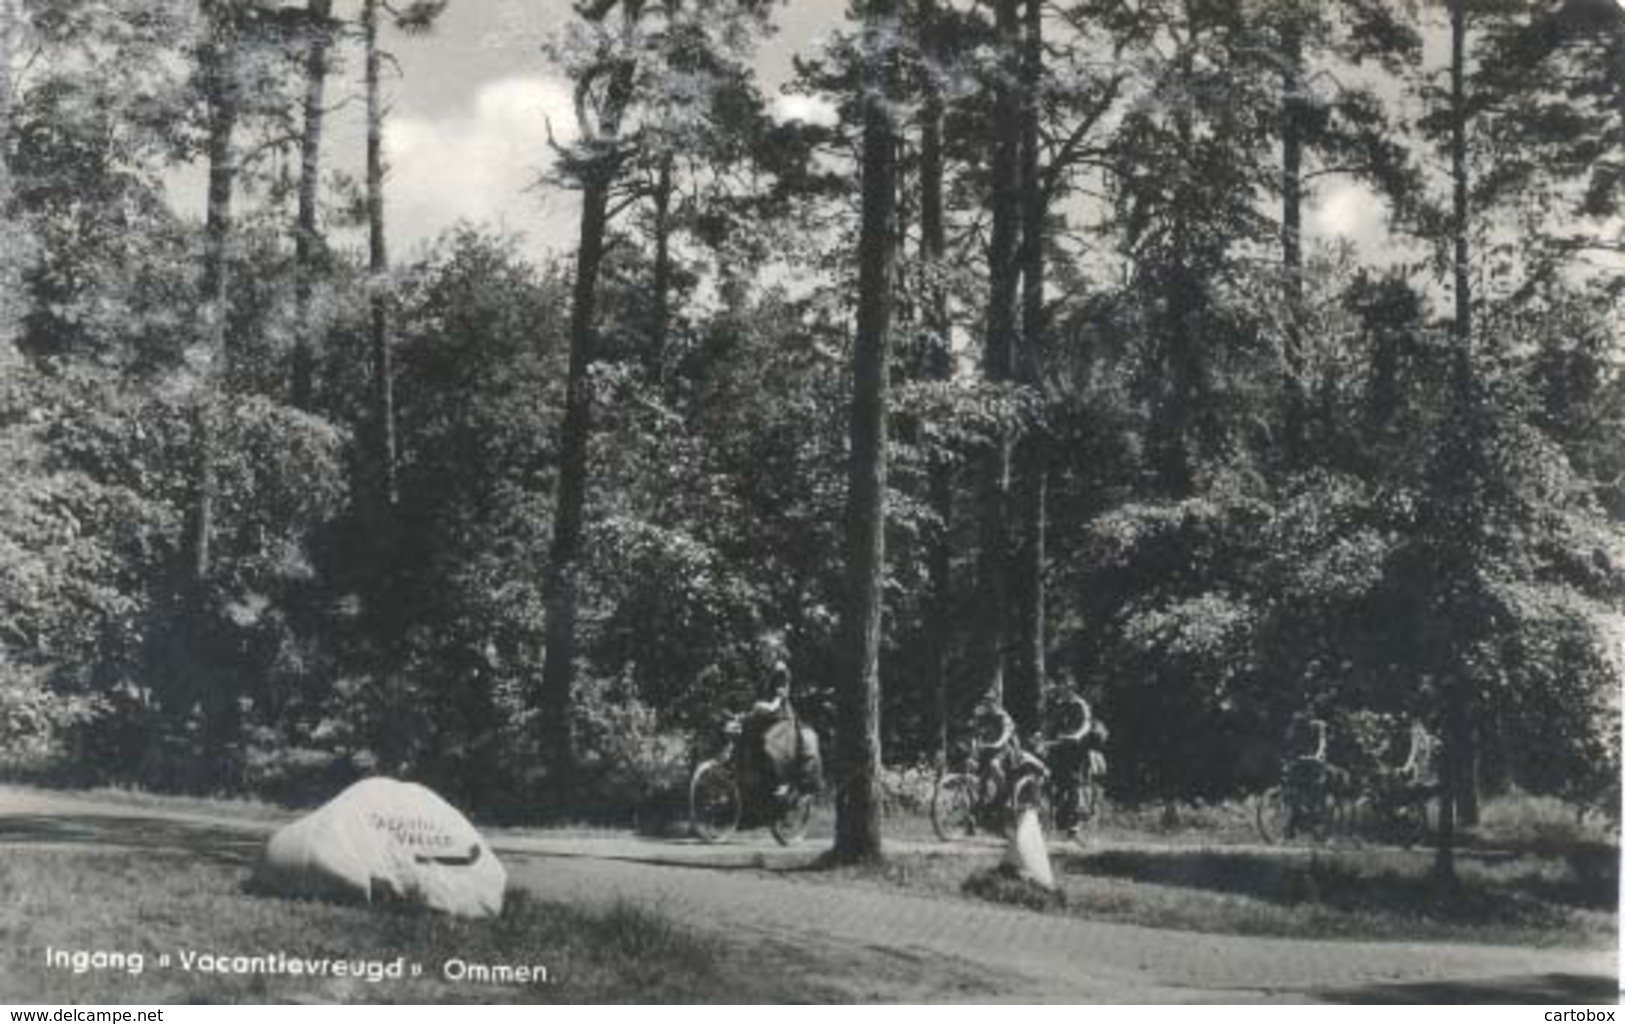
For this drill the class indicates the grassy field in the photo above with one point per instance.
(156, 902)
(1530, 875)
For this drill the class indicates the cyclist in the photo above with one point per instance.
(1076, 754)
(999, 758)
(1419, 775)
(1306, 738)
(775, 740)
(1305, 773)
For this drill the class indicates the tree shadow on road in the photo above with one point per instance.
(1526, 892)
(1571, 989)
(216, 843)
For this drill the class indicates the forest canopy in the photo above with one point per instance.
(1024, 368)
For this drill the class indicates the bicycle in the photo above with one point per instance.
(1089, 800)
(720, 786)
(1309, 800)
(1393, 808)
(978, 799)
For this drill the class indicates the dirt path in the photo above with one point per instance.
(1047, 957)
(891, 945)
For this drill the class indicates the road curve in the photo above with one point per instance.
(1052, 957)
(958, 949)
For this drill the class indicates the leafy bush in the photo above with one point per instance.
(300, 776)
(629, 762)
(35, 723)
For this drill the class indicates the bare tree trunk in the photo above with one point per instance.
(1032, 470)
(307, 235)
(1182, 361)
(383, 370)
(1294, 107)
(939, 367)
(1456, 715)
(217, 697)
(10, 32)
(1004, 259)
(597, 173)
(857, 809)
(1450, 772)
(1460, 223)
(1472, 779)
(220, 57)
(564, 554)
(662, 269)
(1026, 690)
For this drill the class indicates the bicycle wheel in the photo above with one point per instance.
(1339, 827)
(1415, 822)
(953, 808)
(790, 823)
(713, 801)
(1270, 814)
(1317, 816)
(1354, 818)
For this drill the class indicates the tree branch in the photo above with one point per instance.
(1069, 150)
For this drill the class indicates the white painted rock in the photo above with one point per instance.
(1027, 852)
(384, 838)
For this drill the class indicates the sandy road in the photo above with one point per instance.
(1053, 957)
(893, 945)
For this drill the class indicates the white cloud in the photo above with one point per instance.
(477, 164)
(808, 109)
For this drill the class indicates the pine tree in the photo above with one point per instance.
(1000, 339)
(938, 329)
(857, 823)
(318, 28)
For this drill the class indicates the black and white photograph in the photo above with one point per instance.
(527, 502)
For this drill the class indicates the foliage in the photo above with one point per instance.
(1452, 517)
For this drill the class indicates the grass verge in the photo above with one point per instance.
(1524, 899)
(156, 903)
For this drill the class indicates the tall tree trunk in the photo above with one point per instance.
(1294, 108)
(1182, 362)
(662, 269)
(383, 370)
(307, 235)
(597, 173)
(939, 367)
(217, 698)
(1032, 469)
(664, 189)
(10, 247)
(857, 809)
(1456, 714)
(220, 73)
(9, 30)
(1004, 260)
(564, 554)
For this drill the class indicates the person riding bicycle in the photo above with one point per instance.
(1305, 772)
(773, 707)
(1418, 777)
(774, 741)
(1000, 760)
(1306, 738)
(1075, 754)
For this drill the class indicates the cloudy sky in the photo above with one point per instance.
(471, 107)
(467, 136)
